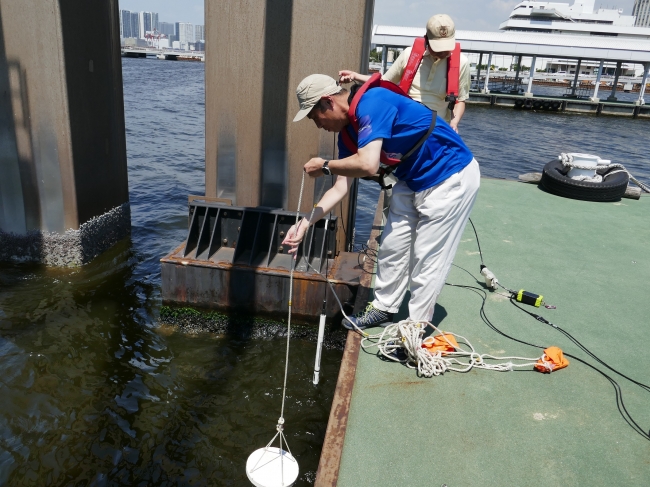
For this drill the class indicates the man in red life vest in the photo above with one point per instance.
(438, 179)
(429, 81)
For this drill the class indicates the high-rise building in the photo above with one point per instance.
(167, 28)
(199, 33)
(129, 24)
(135, 25)
(148, 23)
(125, 24)
(641, 11)
(185, 34)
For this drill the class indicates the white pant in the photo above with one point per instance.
(420, 241)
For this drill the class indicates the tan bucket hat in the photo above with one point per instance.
(311, 90)
(441, 33)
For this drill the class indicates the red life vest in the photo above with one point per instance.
(413, 64)
(375, 81)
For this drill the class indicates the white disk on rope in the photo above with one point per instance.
(271, 467)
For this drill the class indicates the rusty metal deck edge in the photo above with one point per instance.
(330, 458)
(172, 258)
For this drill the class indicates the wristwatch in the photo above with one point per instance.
(326, 170)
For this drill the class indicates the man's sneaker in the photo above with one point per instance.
(368, 318)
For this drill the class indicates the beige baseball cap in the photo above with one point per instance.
(441, 33)
(311, 90)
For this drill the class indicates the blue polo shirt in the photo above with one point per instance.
(401, 123)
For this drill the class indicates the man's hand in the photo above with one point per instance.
(314, 168)
(347, 76)
(295, 235)
(457, 114)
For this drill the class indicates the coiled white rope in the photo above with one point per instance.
(408, 336)
(567, 161)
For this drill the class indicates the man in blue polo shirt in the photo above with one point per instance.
(431, 202)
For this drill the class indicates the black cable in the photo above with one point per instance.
(477, 241)
(327, 275)
(541, 319)
(620, 404)
(369, 253)
(345, 233)
(483, 295)
(619, 398)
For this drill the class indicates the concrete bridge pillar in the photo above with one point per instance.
(256, 54)
(63, 175)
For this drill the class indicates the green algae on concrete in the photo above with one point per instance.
(524, 428)
(195, 321)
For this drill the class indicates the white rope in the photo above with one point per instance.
(331, 285)
(567, 161)
(408, 336)
(280, 426)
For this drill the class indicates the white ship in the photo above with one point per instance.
(578, 19)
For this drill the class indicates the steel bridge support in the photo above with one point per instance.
(63, 176)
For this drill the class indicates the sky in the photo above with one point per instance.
(467, 14)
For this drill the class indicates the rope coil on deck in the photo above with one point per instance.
(567, 161)
(407, 338)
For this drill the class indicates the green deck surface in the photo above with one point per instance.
(591, 260)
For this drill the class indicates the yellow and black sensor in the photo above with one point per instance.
(529, 298)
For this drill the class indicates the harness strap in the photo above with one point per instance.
(375, 81)
(453, 74)
(413, 64)
(387, 170)
(453, 70)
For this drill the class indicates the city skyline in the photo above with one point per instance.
(467, 14)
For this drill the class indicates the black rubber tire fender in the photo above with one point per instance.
(555, 180)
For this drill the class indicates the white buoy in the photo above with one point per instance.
(271, 467)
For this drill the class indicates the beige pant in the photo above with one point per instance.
(420, 239)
